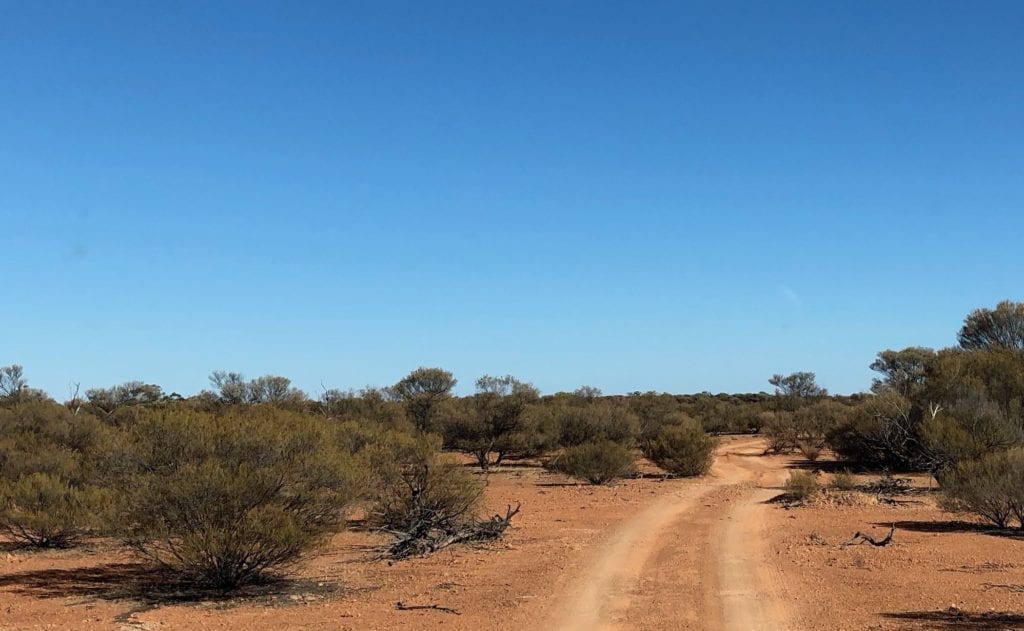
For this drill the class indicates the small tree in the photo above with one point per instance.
(12, 381)
(683, 449)
(422, 391)
(498, 420)
(999, 328)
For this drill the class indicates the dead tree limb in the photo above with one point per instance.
(860, 537)
(426, 536)
(400, 606)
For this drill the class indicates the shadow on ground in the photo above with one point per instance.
(957, 619)
(143, 583)
(957, 526)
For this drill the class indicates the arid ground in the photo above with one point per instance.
(648, 553)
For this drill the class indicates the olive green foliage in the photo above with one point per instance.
(934, 409)
(682, 448)
(991, 487)
(589, 422)
(234, 389)
(415, 488)
(796, 388)
(999, 328)
(49, 492)
(597, 462)
(501, 419)
(227, 499)
(801, 486)
(422, 392)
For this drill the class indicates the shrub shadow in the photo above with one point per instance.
(957, 619)
(957, 526)
(143, 583)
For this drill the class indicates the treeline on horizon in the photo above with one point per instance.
(237, 482)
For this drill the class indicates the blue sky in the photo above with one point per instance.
(670, 196)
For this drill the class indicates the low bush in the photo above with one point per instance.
(415, 488)
(801, 486)
(843, 481)
(46, 511)
(225, 500)
(991, 487)
(682, 449)
(597, 463)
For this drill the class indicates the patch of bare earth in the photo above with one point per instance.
(939, 572)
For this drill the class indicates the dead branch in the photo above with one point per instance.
(426, 537)
(860, 537)
(400, 606)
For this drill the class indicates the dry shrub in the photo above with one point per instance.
(801, 486)
(843, 481)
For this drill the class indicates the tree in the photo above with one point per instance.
(904, 371)
(1002, 327)
(422, 391)
(799, 385)
(107, 400)
(494, 420)
(233, 389)
(12, 381)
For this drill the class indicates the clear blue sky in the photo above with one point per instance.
(670, 196)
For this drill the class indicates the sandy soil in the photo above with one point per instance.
(714, 553)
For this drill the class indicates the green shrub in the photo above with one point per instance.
(45, 511)
(49, 496)
(414, 487)
(801, 486)
(682, 449)
(596, 422)
(597, 463)
(225, 500)
(991, 487)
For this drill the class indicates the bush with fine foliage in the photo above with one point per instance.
(594, 422)
(46, 511)
(415, 488)
(228, 499)
(991, 487)
(49, 492)
(597, 463)
(683, 449)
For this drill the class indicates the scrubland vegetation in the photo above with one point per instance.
(237, 483)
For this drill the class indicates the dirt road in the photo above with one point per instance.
(695, 559)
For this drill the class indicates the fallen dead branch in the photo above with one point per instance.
(427, 537)
(860, 537)
(400, 606)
